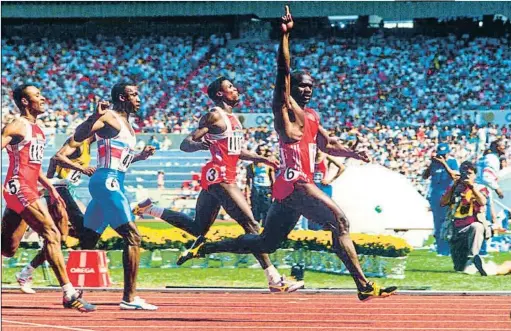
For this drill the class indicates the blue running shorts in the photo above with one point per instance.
(109, 204)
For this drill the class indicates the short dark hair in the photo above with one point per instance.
(495, 143)
(468, 165)
(118, 90)
(296, 77)
(214, 87)
(19, 92)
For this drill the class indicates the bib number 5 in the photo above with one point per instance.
(13, 186)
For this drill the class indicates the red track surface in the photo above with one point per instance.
(252, 311)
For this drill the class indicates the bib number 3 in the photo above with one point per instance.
(211, 175)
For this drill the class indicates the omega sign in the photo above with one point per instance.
(82, 270)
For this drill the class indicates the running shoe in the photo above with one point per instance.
(142, 206)
(78, 303)
(192, 252)
(286, 285)
(25, 283)
(479, 264)
(374, 290)
(137, 304)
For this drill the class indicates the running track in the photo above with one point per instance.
(195, 310)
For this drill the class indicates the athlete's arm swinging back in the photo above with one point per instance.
(194, 141)
(61, 158)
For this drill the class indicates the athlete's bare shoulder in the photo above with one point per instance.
(13, 133)
(14, 128)
(211, 118)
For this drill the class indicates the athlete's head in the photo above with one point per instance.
(498, 146)
(301, 87)
(29, 98)
(125, 96)
(223, 90)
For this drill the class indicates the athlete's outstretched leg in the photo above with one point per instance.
(235, 204)
(36, 215)
(280, 221)
(206, 212)
(13, 229)
(315, 204)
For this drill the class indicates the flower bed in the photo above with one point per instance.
(365, 244)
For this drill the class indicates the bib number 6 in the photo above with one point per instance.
(13, 186)
(290, 174)
(112, 184)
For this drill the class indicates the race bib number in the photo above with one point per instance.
(36, 151)
(13, 186)
(291, 174)
(318, 177)
(126, 159)
(234, 143)
(74, 176)
(212, 175)
(112, 184)
(260, 180)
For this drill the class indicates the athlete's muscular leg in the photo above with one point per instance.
(13, 229)
(235, 204)
(36, 215)
(130, 258)
(206, 211)
(314, 204)
(280, 221)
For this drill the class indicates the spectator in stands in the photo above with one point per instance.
(442, 170)
(167, 143)
(153, 141)
(161, 179)
(467, 202)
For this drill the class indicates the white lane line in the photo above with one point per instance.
(359, 321)
(174, 327)
(205, 313)
(280, 297)
(169, 309)
(43, 325)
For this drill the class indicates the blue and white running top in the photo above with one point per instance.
(116, 153)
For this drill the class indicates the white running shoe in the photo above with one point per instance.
(142, 206)
(137, 304)
(25, 283)
(286, 285)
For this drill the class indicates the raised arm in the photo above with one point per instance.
(194, 141)
(289, 117)
(332, 146)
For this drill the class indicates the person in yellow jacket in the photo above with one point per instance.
(64, 171)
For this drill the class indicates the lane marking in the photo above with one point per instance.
(43, 325)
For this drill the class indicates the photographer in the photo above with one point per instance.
(443, 170)
(467, 202)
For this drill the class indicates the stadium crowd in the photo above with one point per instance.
(403, 94)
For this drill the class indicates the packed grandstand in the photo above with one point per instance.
(404, 93)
